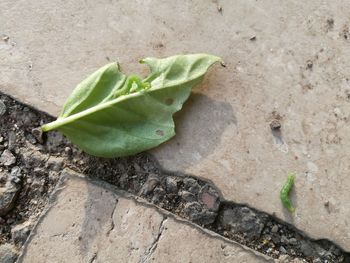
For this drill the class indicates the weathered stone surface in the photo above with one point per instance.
(8, 253)
(193, 245)
(89, 222)
(285, 61)
(224, 133)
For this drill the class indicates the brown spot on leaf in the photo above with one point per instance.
(160, 132)
(169, 101)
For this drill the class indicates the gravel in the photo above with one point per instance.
(243, 220)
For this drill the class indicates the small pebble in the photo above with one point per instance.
(7, 158)
(269, 250)
(293, 241)
(38, 134)
(188, 182)
(150, 184)
(209, 197)
(31, 139)
(275, 124)
(309, 64)
(12, 140)
(284, 239)
(307, 248)
(2, 108)
(5, 38)
(274, 229)
(337, 252)
(158, 194)
(187, 196)
(171, 185)
(283, 250)
(68, 150)
(137, 167)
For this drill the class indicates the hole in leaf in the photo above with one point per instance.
(169, 101)
(160, 132)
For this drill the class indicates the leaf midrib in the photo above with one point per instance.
(101, 106)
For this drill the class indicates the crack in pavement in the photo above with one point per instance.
(94, 257)
(112, 218)
(147, 256)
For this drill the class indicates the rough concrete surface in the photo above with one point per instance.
(89, 222)
(285, 61)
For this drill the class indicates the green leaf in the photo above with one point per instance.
(112, 115)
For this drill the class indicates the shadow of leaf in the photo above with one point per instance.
(199, 127)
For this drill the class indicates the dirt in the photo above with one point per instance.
(31, 163)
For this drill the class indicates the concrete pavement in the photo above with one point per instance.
(91, 222)
(285, 62)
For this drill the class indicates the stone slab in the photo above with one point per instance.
(90, 222)
(287, 57)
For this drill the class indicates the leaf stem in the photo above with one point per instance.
(63, 121)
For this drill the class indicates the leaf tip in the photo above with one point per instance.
(218, 59)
